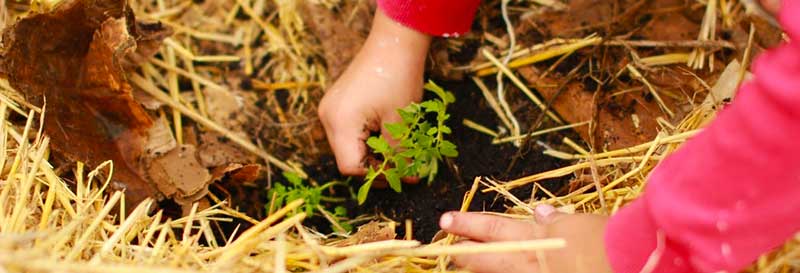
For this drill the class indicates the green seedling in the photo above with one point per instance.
(297, 189)
(421, 143)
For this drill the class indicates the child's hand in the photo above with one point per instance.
(585, 251)
(771, 5)
(387, 74)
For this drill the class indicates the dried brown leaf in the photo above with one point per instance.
(160, 139)
(179, 174)
(71, 59)
(215, 151)
(370, 232)
(149, 36)
(236, 173)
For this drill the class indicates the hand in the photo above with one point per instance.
(772, 6)
(386, 75)
(585, 251)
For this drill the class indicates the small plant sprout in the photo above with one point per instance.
(281, 195)
(421, 143)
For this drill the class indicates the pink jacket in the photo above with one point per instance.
(733, 192)
(728, 195)
(434, 17)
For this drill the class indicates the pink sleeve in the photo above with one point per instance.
(731, 193)
(434, 17)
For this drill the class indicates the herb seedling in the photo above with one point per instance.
(421, 143)
(297, 189)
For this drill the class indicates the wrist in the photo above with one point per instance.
(394, 39)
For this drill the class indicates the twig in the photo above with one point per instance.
(540, 132)
(480, 128)
(493, 103)
(544, 55)
(520, 85)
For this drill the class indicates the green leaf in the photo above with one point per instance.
(346, 226)
(409, 113)
(400, 163)
(424, 141)
(423, 171)
(407, 143)
(434, 170)
(340, 211)
(432, 131)
(371, 174)
(449, 97)
(445, 130)
(378, 144)
(397, 130)
(363, 192)
(424, 126)
(448, 152)
(433, 106)
(293, 178)
(406, 115)
(407, 153)
(433, 87)
(394, 180)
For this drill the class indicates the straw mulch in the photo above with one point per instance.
(53, 223)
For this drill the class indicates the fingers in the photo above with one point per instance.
(494, 262)
(546, 214)
(346, 135)
(772, 6)
(487, 228)
(410, 180)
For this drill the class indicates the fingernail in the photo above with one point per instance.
(446, 221)
(544, 210)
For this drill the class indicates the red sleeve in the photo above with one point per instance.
(435, 17)
(733, 192)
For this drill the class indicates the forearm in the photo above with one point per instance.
(730, 194)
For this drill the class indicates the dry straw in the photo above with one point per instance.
(84, 233)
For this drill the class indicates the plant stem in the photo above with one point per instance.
(332, 199)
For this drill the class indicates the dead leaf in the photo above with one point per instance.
(72, 59)
(215, 151)
(616, 128)
(179, 174)
(236, 173)
(370, 232)
(149, 36)
(160, 139)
